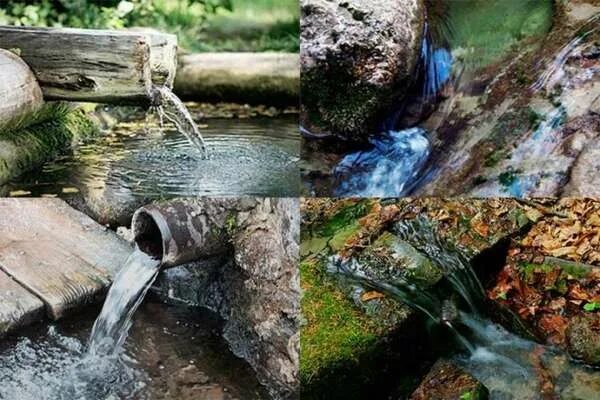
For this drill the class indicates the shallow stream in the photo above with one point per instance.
(463, 42)
(510, 367)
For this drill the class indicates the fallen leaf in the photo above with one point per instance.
(576, 293)
(371, 295)
(564, 251)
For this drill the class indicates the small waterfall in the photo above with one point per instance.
(168, 106)
(554, 71)
(420, 233)
(389, 169)
(457, 271)
(509, 366)
(437, 64)
(124, 297)
(401, 289)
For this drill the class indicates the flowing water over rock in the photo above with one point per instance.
(389, 168)
(461, 39)
(256, 156)
(509, 366)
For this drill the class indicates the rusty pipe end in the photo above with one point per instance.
(151, 233)
(180, 231)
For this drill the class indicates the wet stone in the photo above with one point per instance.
(191, 375)
(391, 256)
(446, 381)
(583, 338)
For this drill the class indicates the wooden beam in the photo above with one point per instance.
(20, 93)
(18, 307)
(59, 254)
(255, 78)
(104, 66)
(59, 278)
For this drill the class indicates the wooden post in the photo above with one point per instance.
(94, 65)
(20, 93)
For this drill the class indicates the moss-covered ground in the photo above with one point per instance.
(32, 140)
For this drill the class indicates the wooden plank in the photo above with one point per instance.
(31, 218)
(55, 274)
(58, 253)
(18, 307)
(20, 93)
(85, 65)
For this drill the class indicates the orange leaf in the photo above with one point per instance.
(371, 295)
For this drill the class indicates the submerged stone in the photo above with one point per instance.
(446, 381)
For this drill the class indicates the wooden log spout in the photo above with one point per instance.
(100, 66)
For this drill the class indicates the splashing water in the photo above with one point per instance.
(58, 368)
(168, 106)
(64, 369)
(124, 297)
(509, 366)
(389, 169)
(401, 289)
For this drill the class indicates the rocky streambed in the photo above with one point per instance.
(536, 260)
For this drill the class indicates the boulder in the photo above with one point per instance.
(585, 180)
(255, 289)
(357, 57)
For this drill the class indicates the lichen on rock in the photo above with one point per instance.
(357, 57)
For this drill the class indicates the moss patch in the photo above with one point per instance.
(346, 348)
(336, 332)
(30, 142)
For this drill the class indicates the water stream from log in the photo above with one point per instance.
(170, 107)
(509, 366)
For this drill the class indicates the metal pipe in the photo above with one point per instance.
(184, 230)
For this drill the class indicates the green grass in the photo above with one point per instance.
(253, 25)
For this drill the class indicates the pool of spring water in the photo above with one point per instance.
(173, 353)
(253, 156)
